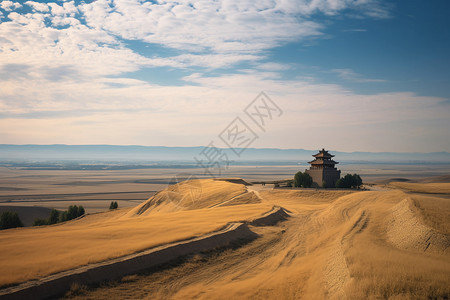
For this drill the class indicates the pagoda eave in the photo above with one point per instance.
(323, 162)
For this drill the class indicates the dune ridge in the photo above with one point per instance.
(407, 231)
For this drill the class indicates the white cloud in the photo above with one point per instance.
(210, 34)
(349, 75)
(38, 6)
(9, 5)
(202, 25)
(272, 66)
(64, 83)
(130, 111)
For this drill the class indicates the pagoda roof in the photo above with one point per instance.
(323, 153)
(323, 162)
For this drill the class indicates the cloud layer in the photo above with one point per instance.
(65, 76)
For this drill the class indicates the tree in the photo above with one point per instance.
(54, 217)
(40, 222)
(10, 219)
(307, 180)
(358, 180)
(72, 212)
(63, 217)
(302, 180)
(80, 211)
(298, 179)
(349, 181)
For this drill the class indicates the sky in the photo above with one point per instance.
(346, 75)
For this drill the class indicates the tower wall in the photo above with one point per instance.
(329, 175)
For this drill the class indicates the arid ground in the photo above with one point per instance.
(388, 242)
(95, 189)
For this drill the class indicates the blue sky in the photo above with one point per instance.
(350, 75)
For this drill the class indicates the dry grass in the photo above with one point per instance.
(130, 278)
(34, 252)
(434, 211)
(76, 289)
(193, 194)
(428, 188)
(380, 271)
(335, 245)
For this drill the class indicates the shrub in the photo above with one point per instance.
(76, 289)
(71, 213)
(63, 216)
(349, 181)
(10, 219)
(80, 211)
(113, 205)
(54, 217)
(302, 180)
(40, 222)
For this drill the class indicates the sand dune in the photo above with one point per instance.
(196, 194)
(428, 188)
(36, 252)
(322, 244)
(407, 231)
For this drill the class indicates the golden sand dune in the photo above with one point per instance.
(427, 188)
(197, 194)
(407, 231)
(36, 252)
(329, 245)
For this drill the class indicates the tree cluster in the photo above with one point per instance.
(10, 219)
(55, 217)
(72, 213)
(349, 181)
(113, 205)
(303, 180)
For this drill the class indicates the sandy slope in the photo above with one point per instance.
(34, 252)
(429, 188)
(334, 245)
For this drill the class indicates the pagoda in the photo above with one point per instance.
(323, 170)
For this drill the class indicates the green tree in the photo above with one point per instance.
(358, 180)
(63, 217)
(302, 180)
(349, 181)
(307, 180)
(40, 222)
(80, 211)
(113, 205)
(10, 219)
(54, 217)
(72, 212)
(298, 179)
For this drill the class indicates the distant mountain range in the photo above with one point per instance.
(111, 153)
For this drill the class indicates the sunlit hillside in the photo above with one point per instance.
(333, 244)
